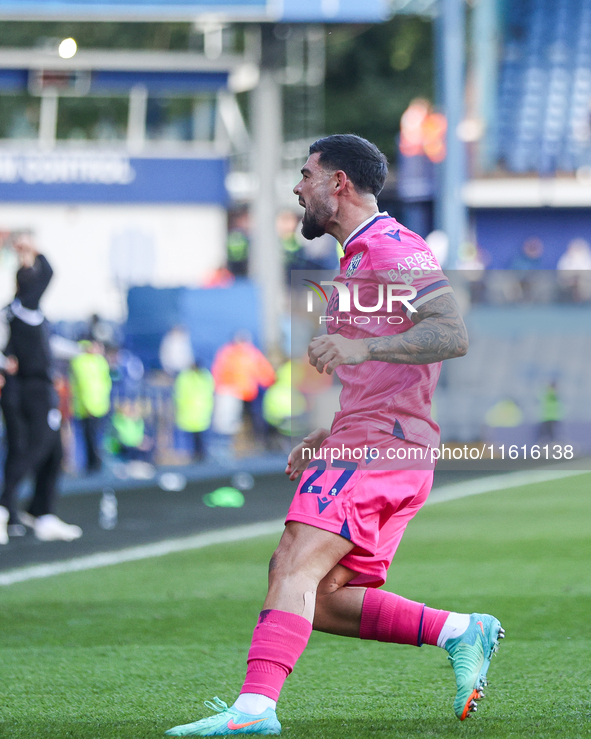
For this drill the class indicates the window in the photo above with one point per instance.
(19, 117)
(181, 118)
(92, 118)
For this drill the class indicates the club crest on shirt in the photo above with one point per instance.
(353, 264)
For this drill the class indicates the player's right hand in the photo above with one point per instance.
(296, 463)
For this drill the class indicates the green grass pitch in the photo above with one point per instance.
(128, 651)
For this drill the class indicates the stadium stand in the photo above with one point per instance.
(545, 87)
(512, 357)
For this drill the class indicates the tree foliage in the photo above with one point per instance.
(373, 72)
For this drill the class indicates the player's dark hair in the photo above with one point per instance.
(360, 160)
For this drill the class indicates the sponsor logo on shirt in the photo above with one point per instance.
(412, 268)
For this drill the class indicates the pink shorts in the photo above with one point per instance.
(370, 507)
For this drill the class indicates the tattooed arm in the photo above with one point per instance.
(439, 333)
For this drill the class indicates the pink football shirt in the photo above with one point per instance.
(394, 398)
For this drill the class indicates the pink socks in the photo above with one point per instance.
(280, 638)
(390, 618)
(278, 641)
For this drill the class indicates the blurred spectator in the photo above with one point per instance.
(422, 131)
(576, 256)
(30, 406)
(532, 282)
(530, 256)
(504, 413)
(101, 331)
(302, 253)
(239, 370)
(283, 408)
(502, 286)
(176, 352)
(472, 259)
(574, 268)
(127, 371)
(194, 398)
(285, 225)
(319, 253)
(238, 243)
(130, 440)
(220, 277)
(551, 413)
(91, 397)
(473, 262)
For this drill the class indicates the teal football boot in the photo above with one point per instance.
(229, 722)
(470, 656)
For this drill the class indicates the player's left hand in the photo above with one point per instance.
(328, 352)
(296, 463)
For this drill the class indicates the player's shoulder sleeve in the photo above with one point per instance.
(408, 260)
(356, 258)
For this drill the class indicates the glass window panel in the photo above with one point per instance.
(92, 118)
(181, 119)
(19, 117)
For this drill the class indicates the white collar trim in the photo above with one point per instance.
(360, 226)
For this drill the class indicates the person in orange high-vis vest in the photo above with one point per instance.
(240, 370)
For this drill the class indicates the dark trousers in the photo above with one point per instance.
(91, 428)
(547, 431)
(253, 410)
(198, 445)
(33, 446)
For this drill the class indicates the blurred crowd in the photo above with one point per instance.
(75, 400)
(527, 278)
(298, 253)
(114, 412)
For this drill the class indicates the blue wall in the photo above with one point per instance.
(92, 177)
(212, 317)
(502, 232)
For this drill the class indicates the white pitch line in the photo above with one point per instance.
(251, 531)
(498, 482)
(132, 554)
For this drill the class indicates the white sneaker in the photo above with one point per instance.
(52, 528)
(4, 516)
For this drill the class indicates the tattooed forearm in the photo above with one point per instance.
(439, 334)
(430, 341)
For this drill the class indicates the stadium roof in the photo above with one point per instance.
(289, 11)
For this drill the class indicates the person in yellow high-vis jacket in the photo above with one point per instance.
(91, 397)
(284, 406)
(193, 399)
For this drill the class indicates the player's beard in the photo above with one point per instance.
(315, 220)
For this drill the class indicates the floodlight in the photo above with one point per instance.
(67, 48)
